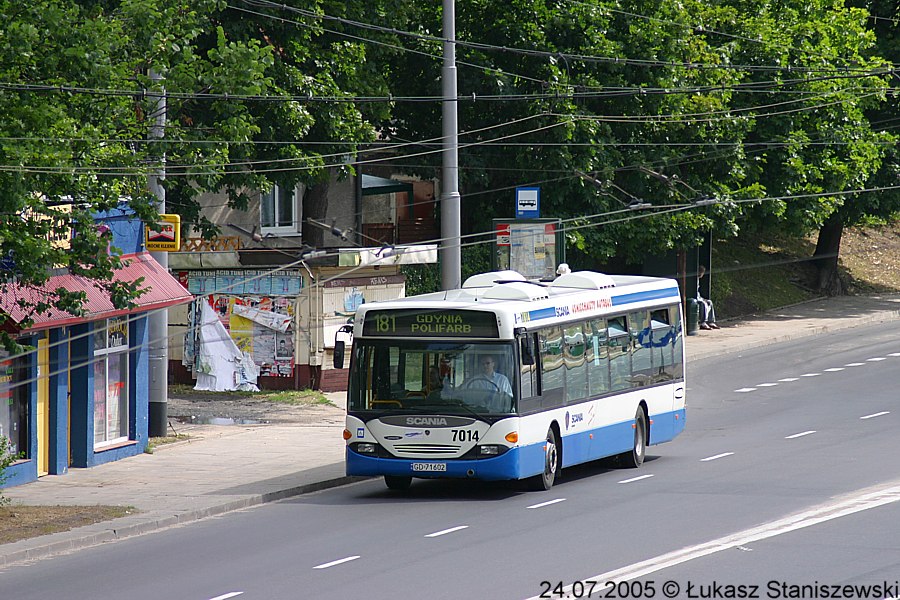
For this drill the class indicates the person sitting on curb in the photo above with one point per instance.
(707, 310)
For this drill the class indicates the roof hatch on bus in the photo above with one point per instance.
(483, 280)
(584, 280)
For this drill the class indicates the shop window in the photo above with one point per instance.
(110, 382)
(14, 399)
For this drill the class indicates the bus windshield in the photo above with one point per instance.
(435, 377)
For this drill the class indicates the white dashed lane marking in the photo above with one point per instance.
(801, 434)
(743, 390)
(633, 479)
(226, 596)
(717, 456)
(766, 384)
(446, 531)
(855, 365)
(547, 503)
(834, 370)
(876, 359)
(336, 562)
(878, 414)
(810, 375)
(788, 379)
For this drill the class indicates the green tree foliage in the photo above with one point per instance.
(76, 108)
(661, 102)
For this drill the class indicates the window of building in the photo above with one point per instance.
(278, 210)
(14, 397)
(110, 381)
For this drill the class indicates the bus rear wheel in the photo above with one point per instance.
(635, 457)
(397, 482)
(545, 480)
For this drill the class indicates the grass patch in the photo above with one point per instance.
(155, 442)
(295, 397)
(752, 275)
(23, 522)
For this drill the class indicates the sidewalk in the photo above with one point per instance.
(224, 468)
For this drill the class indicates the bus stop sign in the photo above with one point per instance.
(528, 202)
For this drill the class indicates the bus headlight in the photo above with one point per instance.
(365, 448)
(489, 450)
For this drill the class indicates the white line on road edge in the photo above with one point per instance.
(636, 478)
(228, 595)
(548, 503)
(842, 507)
(446, 531)
(878, 414)
(723, 455)
(801, 434)
(336, 562)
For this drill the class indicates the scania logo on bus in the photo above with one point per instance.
(427, 421)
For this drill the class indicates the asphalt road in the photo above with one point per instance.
(805, 426)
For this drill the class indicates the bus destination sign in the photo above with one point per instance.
(430, 323)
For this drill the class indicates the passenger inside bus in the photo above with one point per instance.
(435, 383)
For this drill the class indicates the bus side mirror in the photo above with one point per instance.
(340, 345)
(527, 350)
(339, 354)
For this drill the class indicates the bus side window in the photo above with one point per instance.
(597, 357)
(619, 354)
(641, 348)
(663, 337)
(678, 346)
(573, 357)
(530, 396)
(552, 372)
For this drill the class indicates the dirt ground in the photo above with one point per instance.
(186, 406)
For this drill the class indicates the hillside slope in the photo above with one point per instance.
(752, 275)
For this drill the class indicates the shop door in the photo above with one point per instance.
(43, 407)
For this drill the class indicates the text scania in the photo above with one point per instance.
(427, 421)
(438, 323)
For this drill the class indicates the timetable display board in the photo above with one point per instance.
(430, 323)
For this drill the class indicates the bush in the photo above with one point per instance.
(6, 458)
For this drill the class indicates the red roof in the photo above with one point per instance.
(161, 290)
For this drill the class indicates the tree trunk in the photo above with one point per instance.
(825, 258)
(315, 206)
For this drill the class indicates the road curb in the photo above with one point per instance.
(69, 541)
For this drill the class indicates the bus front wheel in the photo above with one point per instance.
(545, 480)
(397, 482)
(635, 457)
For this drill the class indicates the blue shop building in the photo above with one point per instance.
(80, 397)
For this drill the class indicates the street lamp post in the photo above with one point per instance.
(450, 252)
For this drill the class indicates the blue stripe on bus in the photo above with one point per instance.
(644, 296)
(544, 313)
(526, 461)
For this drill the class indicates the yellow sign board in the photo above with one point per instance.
(168, 238)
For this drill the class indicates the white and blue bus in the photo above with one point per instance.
(512, 379)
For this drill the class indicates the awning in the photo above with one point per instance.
(372, 185)
(161, 291)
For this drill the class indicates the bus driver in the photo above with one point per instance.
(489, 379)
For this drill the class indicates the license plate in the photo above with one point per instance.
(433, 467)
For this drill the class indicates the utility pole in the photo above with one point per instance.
(158, 321)
(450, 252)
